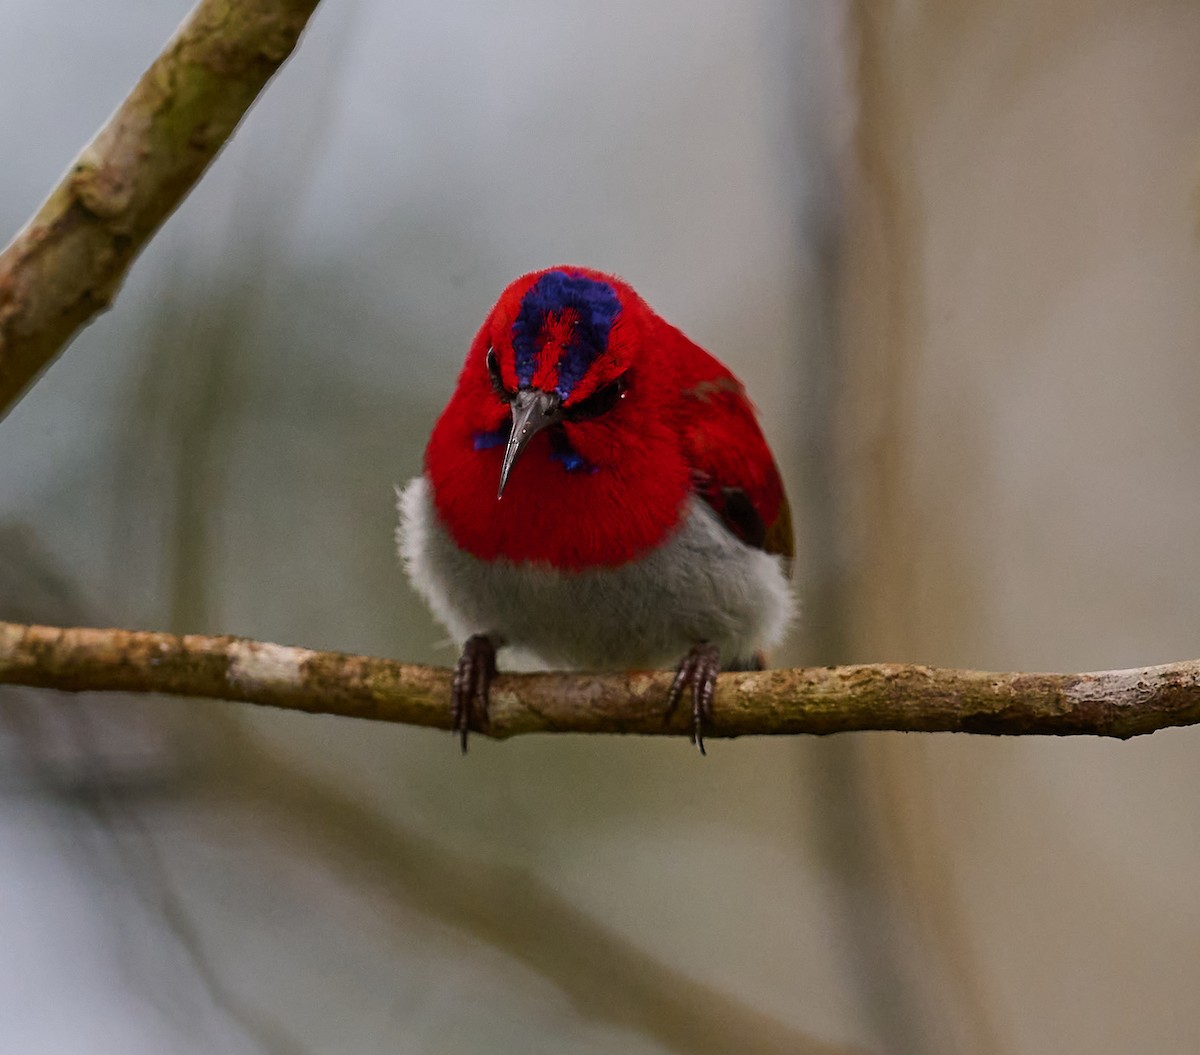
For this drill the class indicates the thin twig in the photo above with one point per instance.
(69, 261)
(1120, 703)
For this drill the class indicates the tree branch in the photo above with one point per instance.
(68, 263)
(1120, 703)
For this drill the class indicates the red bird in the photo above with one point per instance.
(598, 493)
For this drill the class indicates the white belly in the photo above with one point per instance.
(701, 584)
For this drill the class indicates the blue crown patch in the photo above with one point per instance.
(594, 302)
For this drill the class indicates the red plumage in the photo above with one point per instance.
(682, 426)
(598, 492)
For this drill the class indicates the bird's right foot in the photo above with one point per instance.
(471, 683)
(698, 669)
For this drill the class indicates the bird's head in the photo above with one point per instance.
(555, 356)
(573, 404)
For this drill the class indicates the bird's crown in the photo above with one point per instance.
(560, 331)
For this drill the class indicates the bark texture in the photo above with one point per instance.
(67, 264)
(1119, 703)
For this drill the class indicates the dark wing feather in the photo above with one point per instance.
(732, 466)
(780, 538)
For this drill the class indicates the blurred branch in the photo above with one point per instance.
(1120, 703)
(608, 977)
(68, 263)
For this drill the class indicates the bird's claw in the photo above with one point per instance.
(471, 683)
(699, 668)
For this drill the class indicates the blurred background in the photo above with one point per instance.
(953, 249)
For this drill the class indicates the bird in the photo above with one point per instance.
(598, 494)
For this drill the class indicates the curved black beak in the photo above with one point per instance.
(532, 411)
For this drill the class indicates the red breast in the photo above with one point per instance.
(605, 483)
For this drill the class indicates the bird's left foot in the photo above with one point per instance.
(699, 668)
(472, 680)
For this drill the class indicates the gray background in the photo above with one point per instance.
(951, 247)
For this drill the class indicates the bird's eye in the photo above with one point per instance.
(493, 367)
(599, 402)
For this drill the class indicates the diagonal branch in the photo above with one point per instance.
(1119, 703)
(68, 263)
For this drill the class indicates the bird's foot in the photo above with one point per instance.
(471, 683)
(699, 668)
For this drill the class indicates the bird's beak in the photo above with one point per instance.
(532, 411)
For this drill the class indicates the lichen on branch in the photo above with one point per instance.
(1120, 703)
(68, 262)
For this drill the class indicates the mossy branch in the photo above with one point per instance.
(1120, 703)
(68, 262)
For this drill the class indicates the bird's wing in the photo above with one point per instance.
(732, 466)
